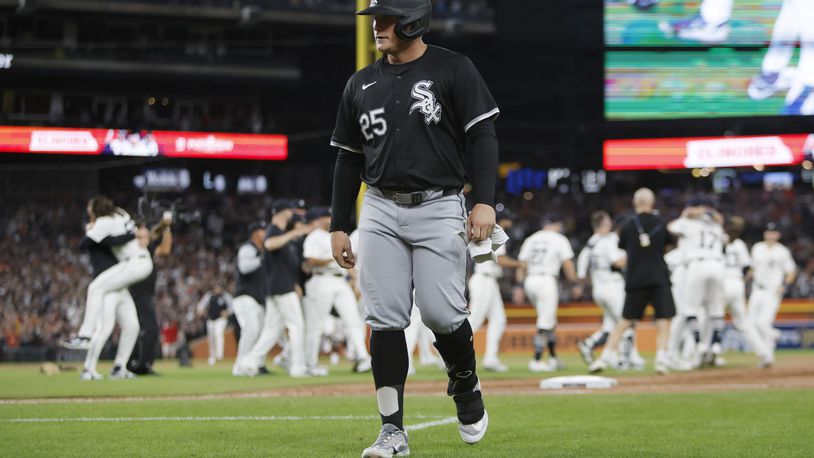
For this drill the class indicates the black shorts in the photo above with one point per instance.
(660, 297)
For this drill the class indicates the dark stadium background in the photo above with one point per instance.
(542, 60)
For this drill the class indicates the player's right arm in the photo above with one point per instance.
(350, 162)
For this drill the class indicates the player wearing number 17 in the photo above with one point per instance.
(407, 125)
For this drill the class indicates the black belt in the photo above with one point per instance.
(416, 197)
(329, 274)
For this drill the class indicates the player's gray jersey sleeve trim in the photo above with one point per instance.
(487, 115)
(346, 147)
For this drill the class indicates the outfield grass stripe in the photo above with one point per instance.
(430, 424)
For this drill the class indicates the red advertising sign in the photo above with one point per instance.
(56, 140)
(697, 152)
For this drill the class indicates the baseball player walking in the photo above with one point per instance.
(250, 294)
(738, 261)
(486, 302)
(773, 270)
(604, 260)
(406, 125)
(643, 237)
(215, 306)
(701, 241)
(545, 253)
(328, 287)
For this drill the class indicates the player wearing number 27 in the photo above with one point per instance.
(407, 125)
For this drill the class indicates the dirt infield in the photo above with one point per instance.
(792, 373)
(795, 372)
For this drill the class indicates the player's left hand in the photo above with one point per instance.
(480, 223)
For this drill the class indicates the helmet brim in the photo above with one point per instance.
(379, 10)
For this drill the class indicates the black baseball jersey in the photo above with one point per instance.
(254, 283)
(410, 120)
(282, 265)
(101, 257)
(217, 304)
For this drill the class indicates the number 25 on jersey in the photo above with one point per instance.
(373, 123)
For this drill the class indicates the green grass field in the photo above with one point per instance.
(737, 423)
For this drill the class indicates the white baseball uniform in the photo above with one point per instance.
(485, 302)
(701, 242)
(108, 297)
(737, 261)
(248, 311)
(608, 286)
(417, 334)
(678, 272)
(544, 253)
(770, 265)
(328, 287)
(215, 328)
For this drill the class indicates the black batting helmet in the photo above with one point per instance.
(411, 12)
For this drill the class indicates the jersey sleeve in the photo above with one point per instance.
(615, 253)
(678, 227)
(310, 247)
(566, 252)
(583, 261)
(525, 248)
(347, 134)
(472, 99)
(101, 229)
(789, 265)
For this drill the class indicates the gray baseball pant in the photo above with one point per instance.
(421, 246)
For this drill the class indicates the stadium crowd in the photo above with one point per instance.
(44, 276)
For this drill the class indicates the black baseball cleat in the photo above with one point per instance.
(263, 371)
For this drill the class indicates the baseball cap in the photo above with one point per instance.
(772, 226)
(551, 218)
(286, 204)
(257, 225)
(698, 201)
(316, 213)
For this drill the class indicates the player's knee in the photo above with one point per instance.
(441, 324)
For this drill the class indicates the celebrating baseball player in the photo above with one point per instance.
(250, 294)
(738, 261)
(108, 298)
(283, 308)
(328, 288)
(773, 270)
(603, 260)
(701, 241)
(486, 302)
(407, 125)
(643, 237)
(144, 354)
(545, 253)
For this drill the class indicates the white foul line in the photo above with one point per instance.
(430, 424)
(425, 425)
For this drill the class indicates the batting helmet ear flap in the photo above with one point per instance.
(408, 29)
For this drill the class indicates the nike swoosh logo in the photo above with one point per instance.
(463, 374)
(365, 86)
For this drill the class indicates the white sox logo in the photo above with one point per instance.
(427, 104)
